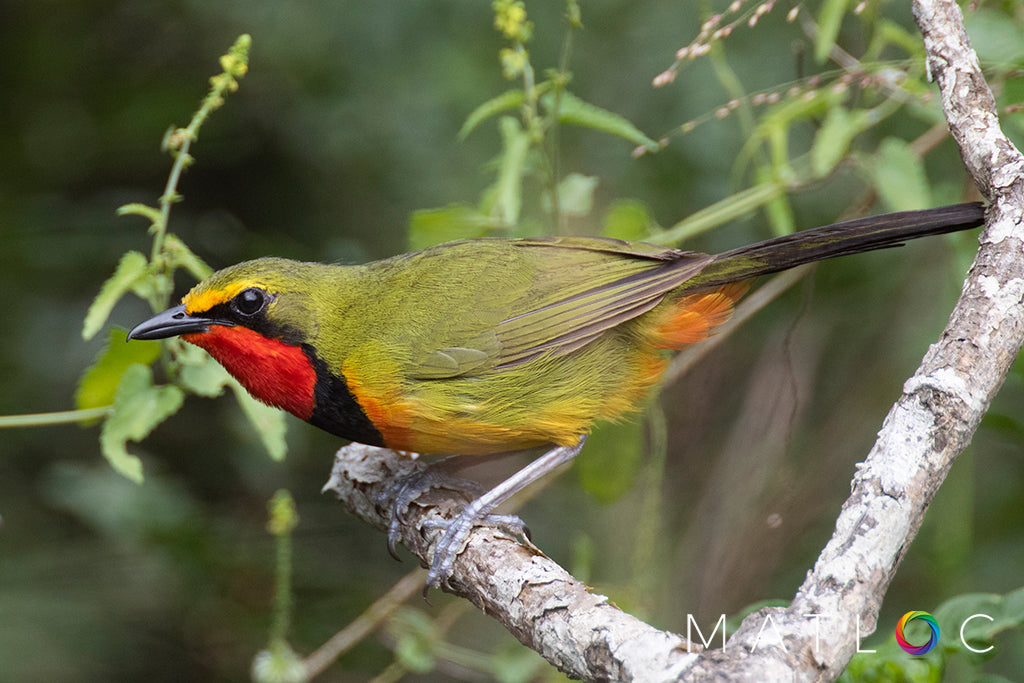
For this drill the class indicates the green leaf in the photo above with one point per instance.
(139, 406)
(415, 639)
(517, 665)
(136, 209)
(997, 38)
(428, 227)
(777, 209)
(183, 257)
(730, 208)
(508, 189)
(129, 270)
(269, 422)
(200, 373)
(775, 125)
(833, 139)
(830, 20)
(574, 111)
(204, 376)
(627, 220)
(889, 34)
(780, 215)
(1001, 613)
(506, 101)
(415, 654)
(576, 194)
(898, 175)
(614, 453)
(99, 383)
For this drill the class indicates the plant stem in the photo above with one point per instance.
(178, 141)
(61, 417)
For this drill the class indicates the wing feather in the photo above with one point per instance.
(573, 319)
(566, 292)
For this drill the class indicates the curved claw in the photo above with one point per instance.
(452, 543)
(400, 495)
(456, 534)
(394, 535)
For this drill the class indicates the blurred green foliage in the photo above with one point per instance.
(968, 625)
(355, 122)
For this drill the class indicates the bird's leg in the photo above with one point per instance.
(438, 475)
(477, 512)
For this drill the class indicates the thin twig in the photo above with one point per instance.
(365, 624)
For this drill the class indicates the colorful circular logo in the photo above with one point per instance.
(917, 649)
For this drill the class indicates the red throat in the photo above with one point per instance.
(276, 373)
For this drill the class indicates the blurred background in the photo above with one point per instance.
(719, 497)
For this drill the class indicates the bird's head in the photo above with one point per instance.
(271, 297)
(258, 320)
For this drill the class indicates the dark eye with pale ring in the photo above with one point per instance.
(249, 301)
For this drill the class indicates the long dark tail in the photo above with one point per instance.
(838, 239)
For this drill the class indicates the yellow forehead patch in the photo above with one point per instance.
(200, 301)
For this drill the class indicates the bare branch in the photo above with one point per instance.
(540, 603)
(934, 420)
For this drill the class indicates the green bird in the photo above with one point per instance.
(490, 345)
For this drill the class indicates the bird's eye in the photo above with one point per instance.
(249, 301)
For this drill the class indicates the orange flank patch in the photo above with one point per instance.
(381, 400)
(409, 423)
(649, 372)
(693, 317)
(274, 372)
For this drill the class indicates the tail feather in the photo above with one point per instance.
(839, 239)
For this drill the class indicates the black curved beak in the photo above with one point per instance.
(171, 323)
